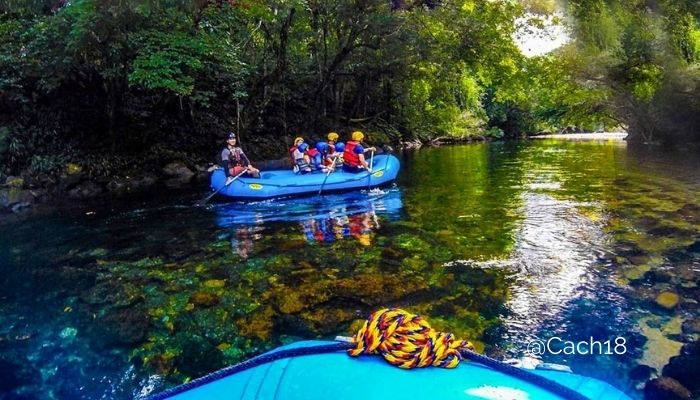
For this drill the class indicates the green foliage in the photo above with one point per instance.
(88, 77)
(47, 164)
(494, 132)
(645, 81)
(169, 62)
(646, 59)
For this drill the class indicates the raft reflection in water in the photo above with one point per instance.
(320, 218)
(358, 226)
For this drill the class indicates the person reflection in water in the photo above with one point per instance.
(358, 226)
(243, 239)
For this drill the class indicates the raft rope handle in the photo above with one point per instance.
(245, 181)
(404, 340)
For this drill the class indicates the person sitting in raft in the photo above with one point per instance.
(354, 154)
(339, 149)
(315, 159)
(326, 157)
(234, 160)
(302, 161)
(332, 142)
(297, 142)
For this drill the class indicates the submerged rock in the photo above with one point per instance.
(204, 299)
(113, 293)
(691, 326)
(199, 357)
(658, 276)
(667, 300)
(68, 332)
(125, 326)
(15, 199)
(14, 182)
(659, 348)
(665, 389)
(178, 174)
(178, 169)
(18, 207)
(161, 363)
(685, 368)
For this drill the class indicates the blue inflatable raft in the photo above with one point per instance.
(337, 376)
(282, 183)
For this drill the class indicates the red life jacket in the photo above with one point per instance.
(349, 157)
(234, 157)
(291, 154)
(312, 152)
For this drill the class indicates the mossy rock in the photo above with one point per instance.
(665, 388)
(214, 283)
(73, 169)
(14, 182)
(258, 324)
(668, 300)
(161, 363)
(411, 243)
(204, 299)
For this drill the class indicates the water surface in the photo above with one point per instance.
(500, 243)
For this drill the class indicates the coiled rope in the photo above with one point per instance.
(405, 340)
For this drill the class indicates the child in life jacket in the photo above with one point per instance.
(302, 161)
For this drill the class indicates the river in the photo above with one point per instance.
(499, 243)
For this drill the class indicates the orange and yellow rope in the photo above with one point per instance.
(407, 341)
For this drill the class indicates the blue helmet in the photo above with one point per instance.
(340, 147)
(303, 147)
(322, 147)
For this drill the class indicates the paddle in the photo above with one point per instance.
(204, 200)
(369, 170)
(327, 173)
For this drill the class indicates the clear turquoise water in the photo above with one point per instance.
(500, 243)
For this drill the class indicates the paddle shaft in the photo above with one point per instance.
(369, 170)
(327, 173)
(204, 201)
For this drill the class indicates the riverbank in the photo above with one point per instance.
(73, 184)
(78, 183)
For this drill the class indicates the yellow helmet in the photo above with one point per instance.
(333, 136)
(298, 140)
(357, 136)
(365, 240)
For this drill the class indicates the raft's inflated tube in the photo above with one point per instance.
(519, 373)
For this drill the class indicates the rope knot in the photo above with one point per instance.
(407, 341)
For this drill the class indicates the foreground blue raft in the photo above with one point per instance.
(281, 183)
(338, 376)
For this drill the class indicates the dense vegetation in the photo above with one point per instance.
(117, 86)
(646, 56)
